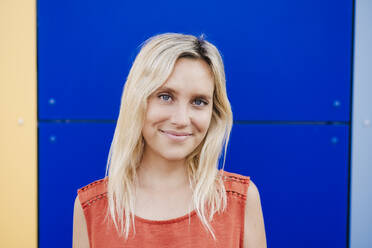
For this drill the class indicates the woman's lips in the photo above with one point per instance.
(178, 137)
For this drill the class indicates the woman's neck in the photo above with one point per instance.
(160, 174)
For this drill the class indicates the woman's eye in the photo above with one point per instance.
(165, 97)
(201, 102)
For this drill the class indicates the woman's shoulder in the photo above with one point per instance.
(236, 184)
(92, 192)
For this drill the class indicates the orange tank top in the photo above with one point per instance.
(185, 231)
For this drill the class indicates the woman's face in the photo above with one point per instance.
(180, 111)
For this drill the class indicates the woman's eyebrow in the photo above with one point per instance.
(171, 90)
(164, 88)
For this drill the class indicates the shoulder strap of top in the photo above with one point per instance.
(92, 192)
(236, 184)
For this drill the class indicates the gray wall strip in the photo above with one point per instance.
(361, 160)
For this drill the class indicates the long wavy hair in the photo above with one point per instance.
(151, 68)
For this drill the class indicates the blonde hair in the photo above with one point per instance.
(151, 68)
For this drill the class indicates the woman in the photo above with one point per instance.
(162, 186)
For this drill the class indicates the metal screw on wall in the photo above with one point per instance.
(334, 140)
(336, 103)
(367, 123)
(20, 122)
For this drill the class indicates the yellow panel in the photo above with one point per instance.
(18, 124)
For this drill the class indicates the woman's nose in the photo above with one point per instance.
(180, 115)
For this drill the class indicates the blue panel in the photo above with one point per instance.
(301, 172)
(285, 60)
(70, 156)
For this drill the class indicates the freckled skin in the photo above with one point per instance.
(180, 111)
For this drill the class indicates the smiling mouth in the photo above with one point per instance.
(176, 137)
(176, 134)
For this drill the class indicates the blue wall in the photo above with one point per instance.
(288, 69)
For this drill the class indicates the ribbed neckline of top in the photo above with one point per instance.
(167, 221)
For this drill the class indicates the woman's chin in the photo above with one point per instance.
(175, 156)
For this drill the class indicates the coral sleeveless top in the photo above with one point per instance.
(185, 231)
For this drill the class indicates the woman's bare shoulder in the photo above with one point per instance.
(80, 232)
(254, 227)
(252, 192)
